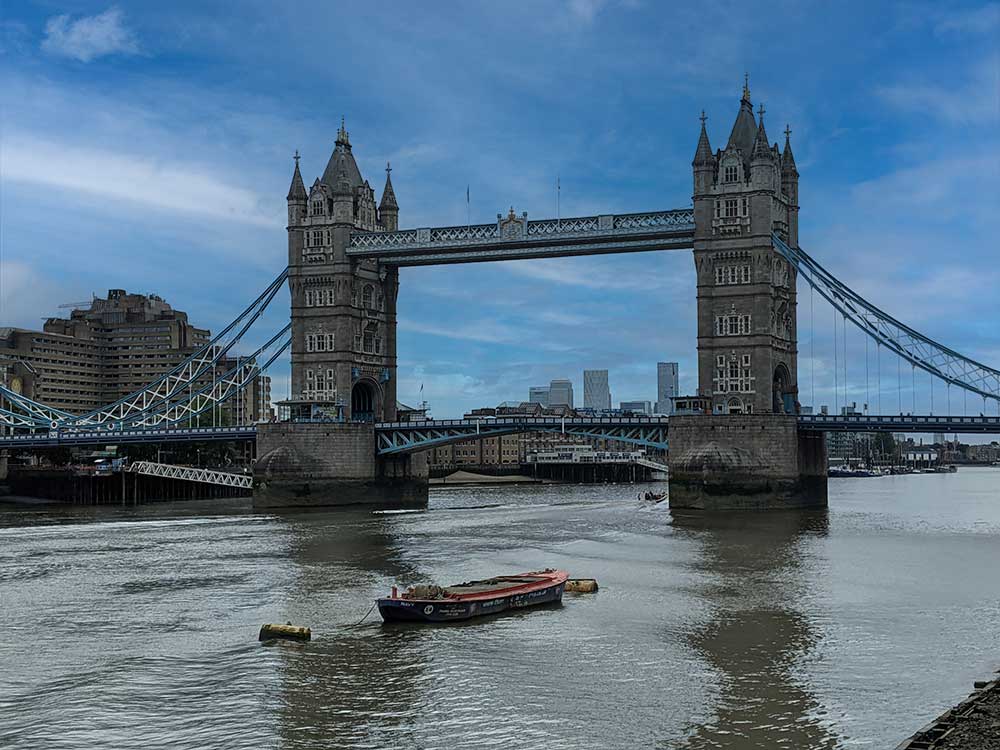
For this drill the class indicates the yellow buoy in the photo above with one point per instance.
(581, 585)
(294, 632)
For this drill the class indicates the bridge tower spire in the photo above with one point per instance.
(747, 355)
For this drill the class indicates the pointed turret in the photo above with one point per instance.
(787, 158)
(761, 149)
(703, 153)
(388, 209)
(297, 190)
(745, 128)
(704, 161)
(342, 161)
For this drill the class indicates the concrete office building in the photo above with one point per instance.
(666, 386)
(539, 394)
(561, 393)
(636, 407)
(112, 348)
(596, 393)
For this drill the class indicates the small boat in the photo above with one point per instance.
(653, 497)
(464, 601)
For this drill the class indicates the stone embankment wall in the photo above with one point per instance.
(974, 724)
(745, 462)
(328, 464)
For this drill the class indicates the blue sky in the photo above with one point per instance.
(148, 146)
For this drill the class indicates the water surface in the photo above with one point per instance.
(136, 628)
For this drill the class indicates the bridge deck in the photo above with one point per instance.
(406, 437)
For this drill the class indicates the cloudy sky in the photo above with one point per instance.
(148, 146)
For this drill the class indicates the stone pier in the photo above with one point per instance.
(745, 462)
(333, 464)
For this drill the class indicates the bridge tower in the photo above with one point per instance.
(343, 309)
(747, 355)
(343, 352)
(748, 453)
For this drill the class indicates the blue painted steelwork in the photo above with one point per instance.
(917, 349)
(56, 438)
(902, 423)
(395, 438)
(515, 238)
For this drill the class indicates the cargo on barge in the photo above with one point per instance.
(464, 601)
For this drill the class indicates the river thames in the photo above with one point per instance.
(137, 628)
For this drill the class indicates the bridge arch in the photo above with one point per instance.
(366, 400)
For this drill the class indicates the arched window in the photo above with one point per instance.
(366, 296)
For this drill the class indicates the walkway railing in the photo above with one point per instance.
(192, 474)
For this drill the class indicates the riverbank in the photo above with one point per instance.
(974, 724)
(466, 478)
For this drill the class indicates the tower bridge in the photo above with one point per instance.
(341, 441)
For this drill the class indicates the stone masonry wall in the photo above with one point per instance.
(745, 462)
(304, 464)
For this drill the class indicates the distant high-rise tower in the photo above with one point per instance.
(596, 393)
(561, 393)
(747, 357)
(666, 387)
(539, 394)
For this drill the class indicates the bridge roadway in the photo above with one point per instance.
(409, 437)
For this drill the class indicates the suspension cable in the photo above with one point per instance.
(812, 348)
(836, 366)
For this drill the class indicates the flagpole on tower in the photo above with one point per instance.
(468, 209)
(558, 196)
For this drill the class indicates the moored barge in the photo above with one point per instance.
(464, 601)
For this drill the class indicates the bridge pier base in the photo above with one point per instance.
(304, 464)
(745, 462)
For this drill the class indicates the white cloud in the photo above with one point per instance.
(89, 37)
(178, 187)
(589, 276)
(975, 100)
(586, 10)
(977, 21)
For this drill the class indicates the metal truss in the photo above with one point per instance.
(396, 438)
(917, 349)
(514, 237)
(158, 435)
(155, 395)
(903, 423)
(191, 474)
(215, 393)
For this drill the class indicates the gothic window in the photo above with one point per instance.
(316, 208)
(368, 344)
(731, 205)
(726, 275)
(310, 342)
(732, 374)
(745, 207)
(366, 296)
(316, 238)
(732, 173)
(732, 325)
(309, 374)
(329, 342)
(718, 209)
(310, 298)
